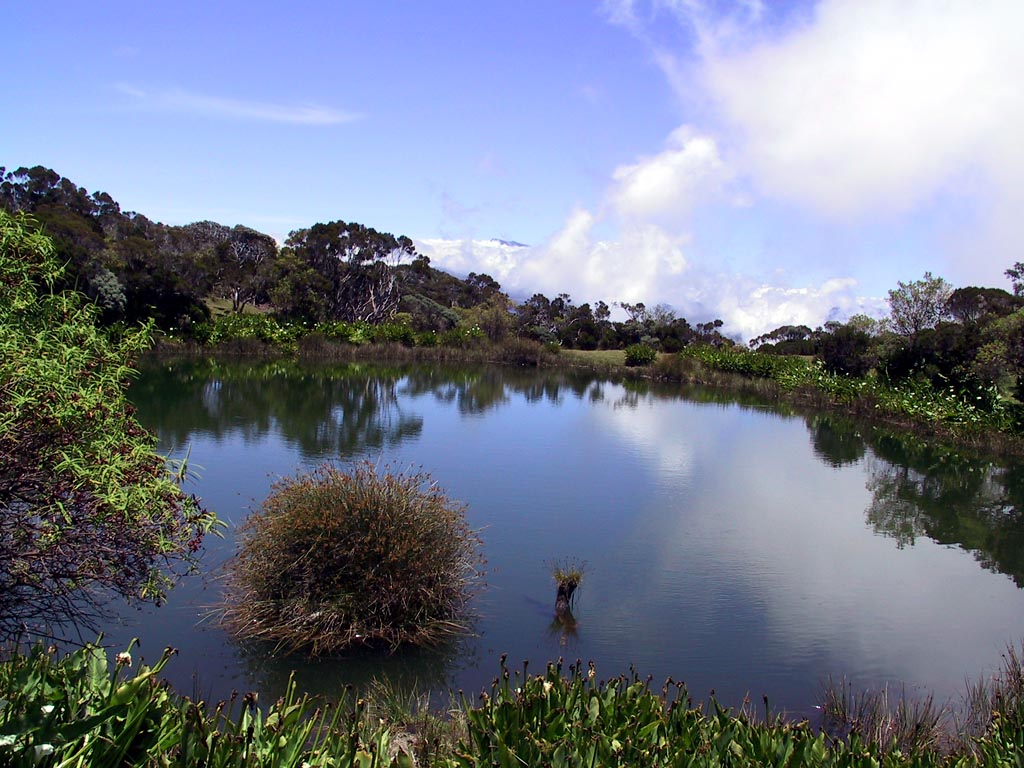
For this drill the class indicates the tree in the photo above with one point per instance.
(358, 263)
(244, 266)
(982, 305)
(847, 350)
(918, 305)
(87, 508)
(1016, 275)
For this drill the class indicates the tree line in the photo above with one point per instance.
(970, 339)
(136, 269)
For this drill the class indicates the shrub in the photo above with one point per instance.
(462, 337)
(336, 559)
(394, 333)
(640, 354)
(89, 510)
(248, 326)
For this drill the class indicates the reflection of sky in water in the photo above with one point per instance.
(720, 549)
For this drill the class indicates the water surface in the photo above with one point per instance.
(731, 545)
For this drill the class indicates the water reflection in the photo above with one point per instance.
(918, 488)
(339, 410)
(926, 490)
(407, 671)
(739, 544)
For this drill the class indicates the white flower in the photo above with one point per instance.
(123, 659)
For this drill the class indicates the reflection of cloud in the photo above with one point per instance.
(658, 434)
(188, 102)
(760, 535)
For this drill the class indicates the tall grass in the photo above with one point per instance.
(339, 558)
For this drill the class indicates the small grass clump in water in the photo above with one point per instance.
(335, 559)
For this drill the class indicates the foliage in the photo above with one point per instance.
(462, 337)
(357, 264)
(75, 710)
(640, 354)
(87, 506)
(335, 559)
(555, 720)
(848, 350)
(788, 371)
(919, 304)
(256, 326)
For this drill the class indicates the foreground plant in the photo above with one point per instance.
(365, 557)
(87, 507)
(77, 711)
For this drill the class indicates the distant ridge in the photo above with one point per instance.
(511, 243)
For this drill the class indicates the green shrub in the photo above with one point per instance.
(462, 337)
(248, 326)
(350, 333)
(394, 333)
(335, 559)
(640, 354)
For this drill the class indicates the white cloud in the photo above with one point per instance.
(890, 116)
(461, 257)
(874, 105)
(670, 183)
(648, 211)
(188, 102)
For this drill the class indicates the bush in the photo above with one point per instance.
(89, 510)
(336, 559)
(640, 354)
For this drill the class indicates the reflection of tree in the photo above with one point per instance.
(920, 489)
(472, 390)
(337, 410)
(835, 439)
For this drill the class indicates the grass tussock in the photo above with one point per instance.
(336, 559)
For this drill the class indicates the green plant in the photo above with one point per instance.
(364, 557)
(76, 711)
(88, 507)
(640, 354)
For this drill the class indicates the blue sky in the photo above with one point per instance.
(762, 162)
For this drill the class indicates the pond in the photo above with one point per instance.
(729, 544)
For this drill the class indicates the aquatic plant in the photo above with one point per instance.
(361, 557)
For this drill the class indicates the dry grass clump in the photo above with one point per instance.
(336, 559)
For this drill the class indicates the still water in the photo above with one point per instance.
(738, 547)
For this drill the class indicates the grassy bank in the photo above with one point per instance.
(83, 710)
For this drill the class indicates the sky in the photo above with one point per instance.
(765, 163)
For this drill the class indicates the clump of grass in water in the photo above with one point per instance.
(335, 559)
(568, 575)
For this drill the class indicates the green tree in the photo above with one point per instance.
(918, 305)
(88, 509)
(359, 265)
